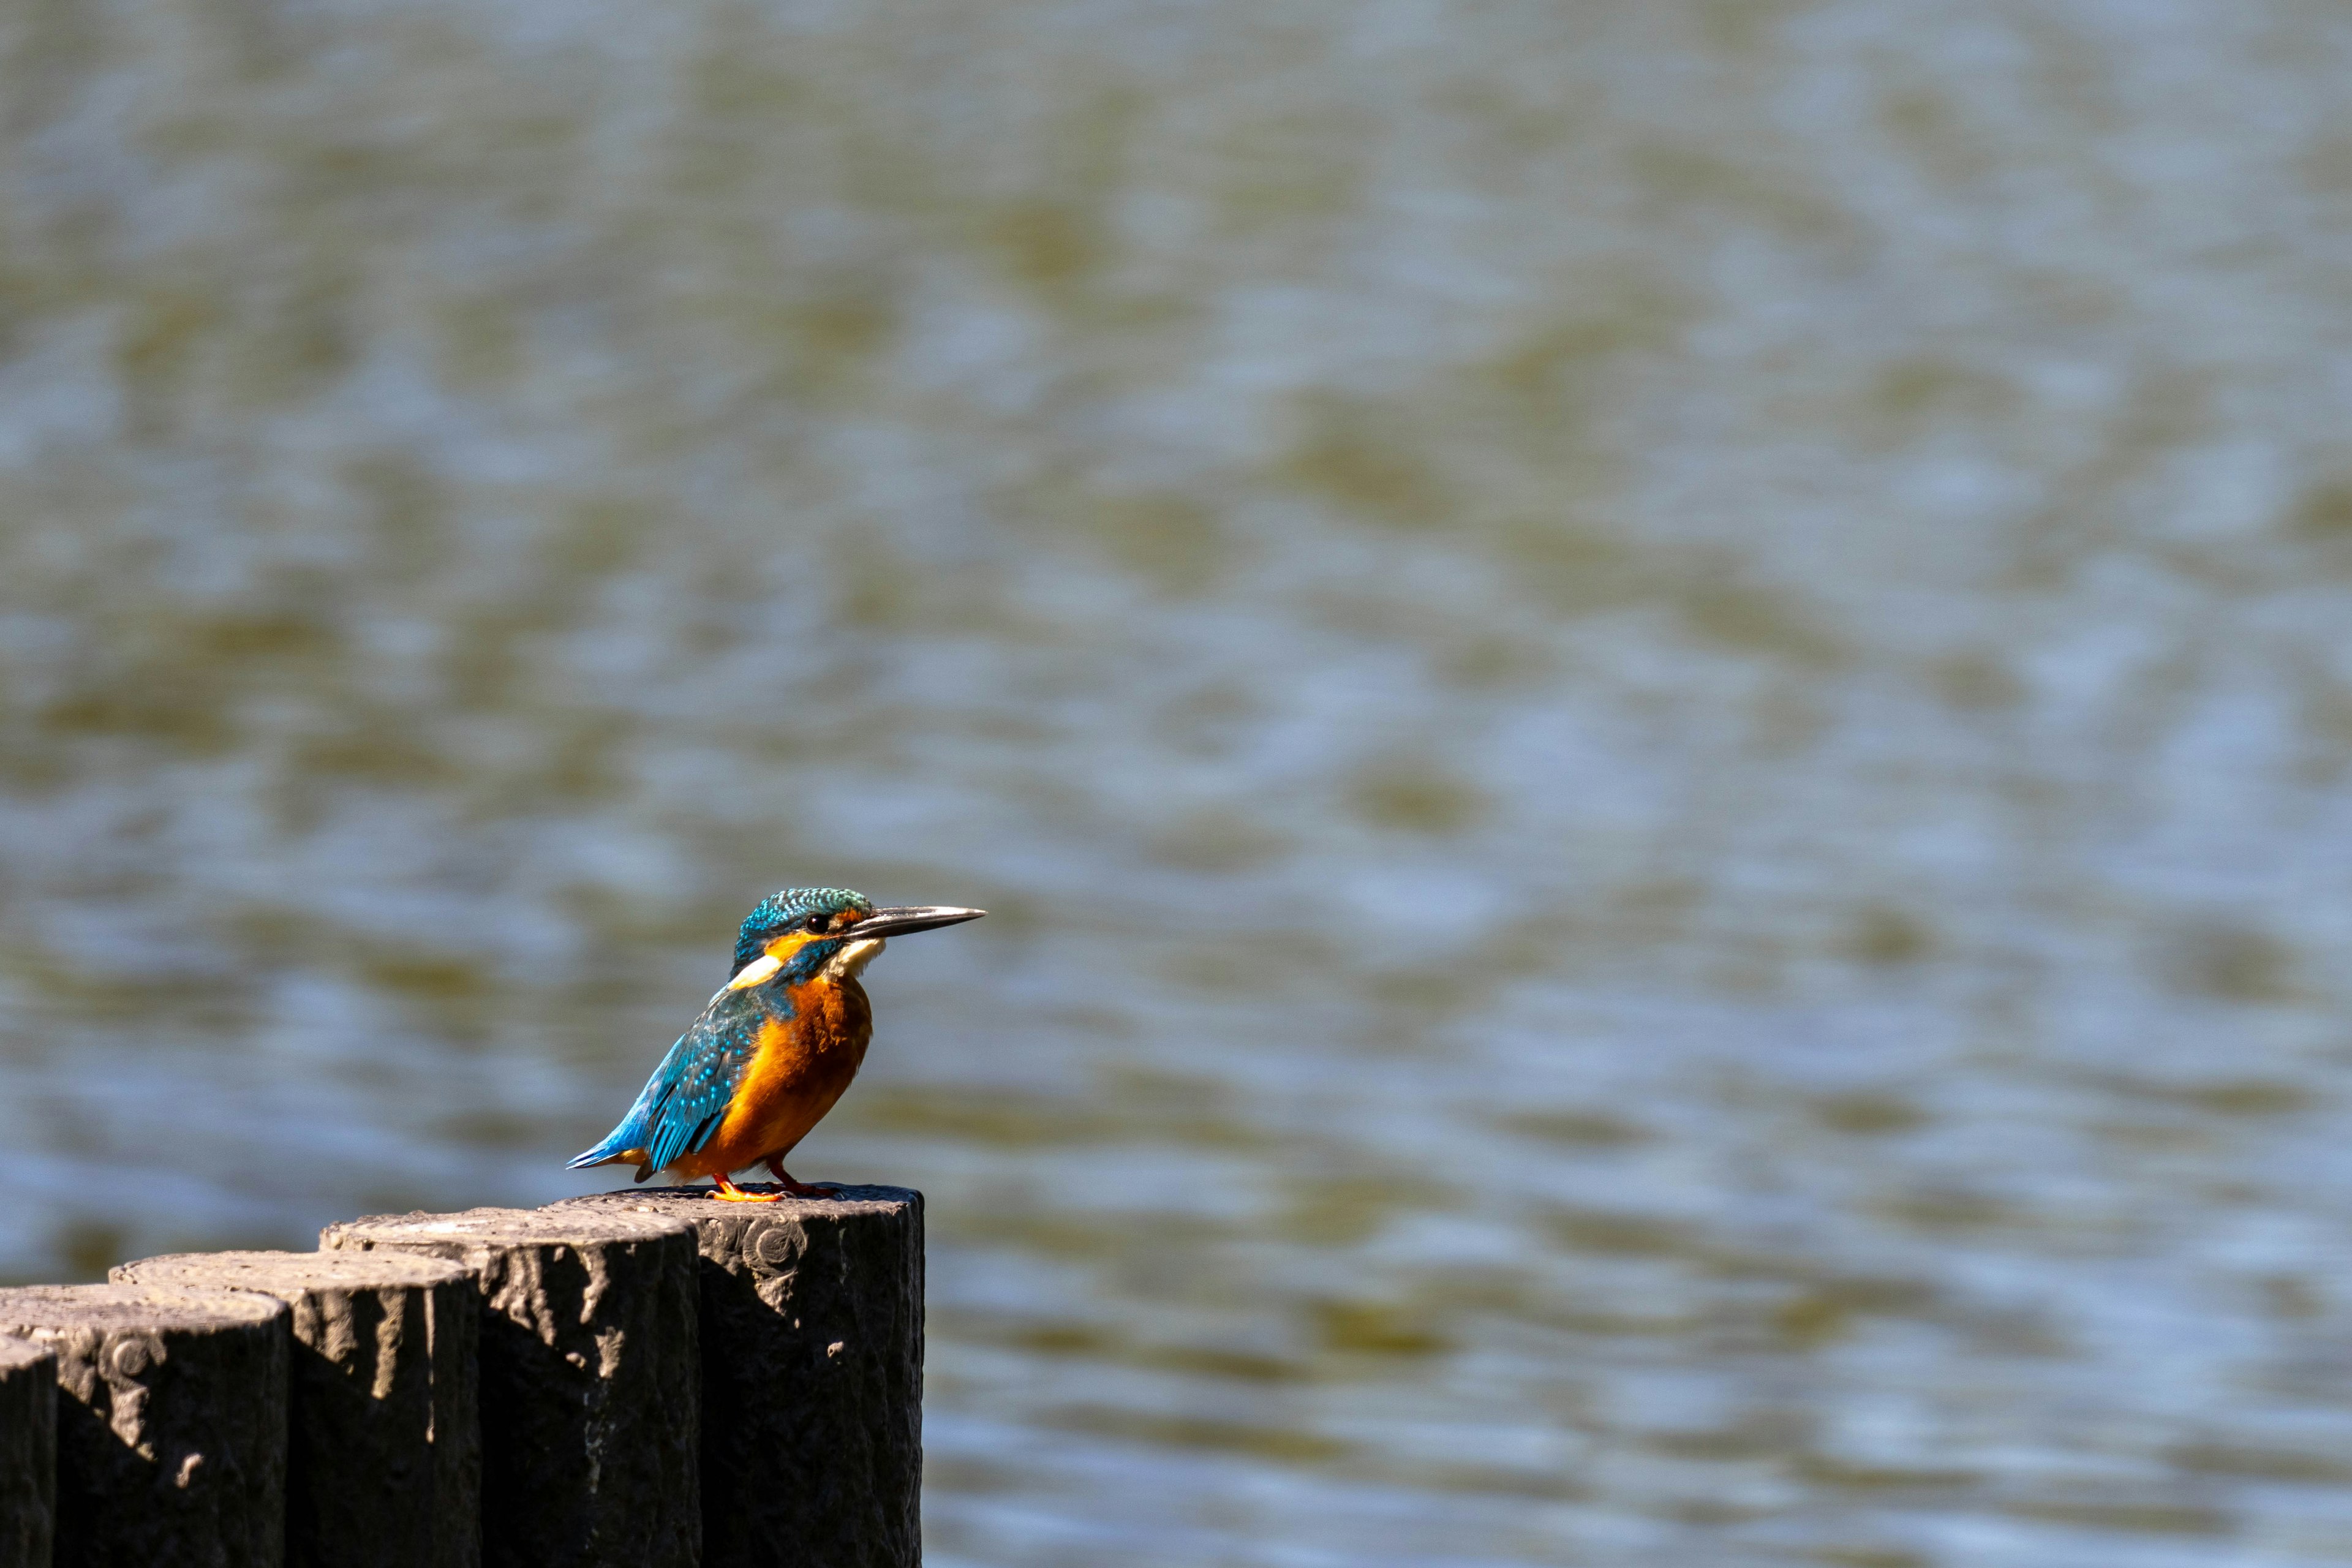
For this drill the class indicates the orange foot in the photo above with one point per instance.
(727, 1192)
(800, 1189)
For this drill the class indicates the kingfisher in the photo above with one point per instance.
(773, 1051)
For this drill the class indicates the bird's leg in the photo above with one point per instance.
(798, 1189)
(727, 1192)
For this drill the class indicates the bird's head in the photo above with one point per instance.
(801, 933)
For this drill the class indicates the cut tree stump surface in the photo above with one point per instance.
(383, 1459)
(171, 1438)
(812, 1373)
(589, 1367)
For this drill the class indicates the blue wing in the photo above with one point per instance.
(686, 1098)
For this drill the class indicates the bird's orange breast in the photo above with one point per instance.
(800, 1067)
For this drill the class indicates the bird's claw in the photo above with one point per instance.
(810, 1190)
(798, 1189)
(727, 1192)
(738, 1195)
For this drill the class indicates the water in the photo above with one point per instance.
(1654, 699)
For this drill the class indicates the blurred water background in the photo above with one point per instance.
(1654, 696)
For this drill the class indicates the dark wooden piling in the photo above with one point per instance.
(384, 1460)
(589, 1378)
(28, 1452)
(171, 1437)
(812, 1373)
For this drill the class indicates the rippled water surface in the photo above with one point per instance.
(1655, 698)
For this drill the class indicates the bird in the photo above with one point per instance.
(774, 1049)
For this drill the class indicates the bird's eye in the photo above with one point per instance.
(818, 922)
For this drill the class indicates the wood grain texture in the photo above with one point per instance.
(28, 1453)
(171, 1438)
(590, 1374)
(383, 1455)
(813, 1374)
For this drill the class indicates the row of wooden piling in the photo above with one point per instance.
(632, 1380)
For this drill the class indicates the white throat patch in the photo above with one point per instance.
(845, 963)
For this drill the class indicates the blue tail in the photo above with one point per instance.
(635, 1128)
(616, 1143)
(688, 1097)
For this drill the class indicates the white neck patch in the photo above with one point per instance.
(846, 964)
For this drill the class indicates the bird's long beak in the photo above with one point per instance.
(905, 918)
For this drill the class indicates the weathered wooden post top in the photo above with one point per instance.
(171, 1421)
(384, 1464)
(811, 1363)
(630, 1380)
(590, 1362)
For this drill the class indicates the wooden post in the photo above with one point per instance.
(589, 1379)
(812, 1373)
(28, 1452)
(171, 1439)
(383, 1459)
